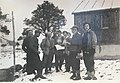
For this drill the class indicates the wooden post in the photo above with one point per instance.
(13, 42)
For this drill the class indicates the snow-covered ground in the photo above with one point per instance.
(105, 69)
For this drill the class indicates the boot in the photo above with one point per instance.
(57, 69)
(86, 73)
(77, 75)
(39, 74)
(93, 75)
(88, 77)
(60, 67)
(73, 76)
(46, 71)
(67, 69)
(50, 69)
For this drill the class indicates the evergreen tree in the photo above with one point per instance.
(46, 16)
(3, 19)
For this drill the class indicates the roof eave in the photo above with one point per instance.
(85, 11)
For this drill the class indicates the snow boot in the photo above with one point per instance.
(86, 73)
(88, 77)
(77, 75)
(60, 67)
(73, 76)
(93, 75)
(57, 69)
(39, 74)
(49, 69)
(46, 71)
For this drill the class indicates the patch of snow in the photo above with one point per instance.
(104, 69)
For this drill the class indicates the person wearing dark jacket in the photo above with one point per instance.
(89, 43)
(25, 47)
(35, 59)
(75, 50)
(47, 46)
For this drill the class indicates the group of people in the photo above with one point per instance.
(65, 49)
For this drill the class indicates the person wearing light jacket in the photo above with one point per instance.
(47, 46)
(89, 43)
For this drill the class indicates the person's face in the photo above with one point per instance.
(30, 33)
(87, 27)
(65, 34)
(49, 34)
(37, 34)
(56, 34)
(59, 33)
(74, 30)
(56, 30)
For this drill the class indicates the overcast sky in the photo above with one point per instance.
(23, 8)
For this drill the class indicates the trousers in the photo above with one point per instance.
(47, 59)
(88, 58)
(74, 62)
(67, 61)
(59, 58)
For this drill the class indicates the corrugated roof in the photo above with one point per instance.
(90, 5)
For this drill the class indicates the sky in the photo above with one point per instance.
(23, 8)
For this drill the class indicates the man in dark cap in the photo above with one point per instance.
(25, 46)
(75, 50)
(35, 59)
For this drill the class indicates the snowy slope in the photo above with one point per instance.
(105, 69)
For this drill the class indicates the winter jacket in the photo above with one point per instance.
(66, 43)
(76, 43)
(25, 45)
(47, 45)
(33, 45)
(89, 41)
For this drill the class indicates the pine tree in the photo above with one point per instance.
(3, 19)
(46, 16)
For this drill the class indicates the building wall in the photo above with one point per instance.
(105, 23)
(108, 50)
(110, 20)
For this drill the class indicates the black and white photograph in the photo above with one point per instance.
(59, 41)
